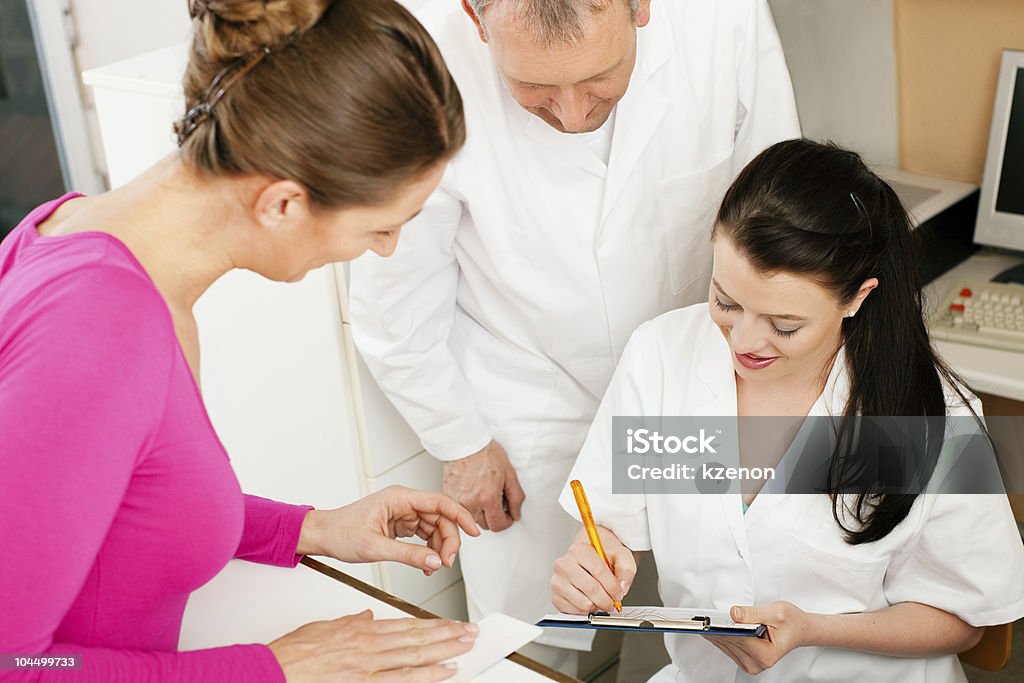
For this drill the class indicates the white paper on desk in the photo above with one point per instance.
(500, 635)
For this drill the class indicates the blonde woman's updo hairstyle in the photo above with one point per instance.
(350, 98)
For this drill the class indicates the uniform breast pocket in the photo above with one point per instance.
(828, 582)
(687, 207)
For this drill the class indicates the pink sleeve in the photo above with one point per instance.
(84, 368)
(271, 532)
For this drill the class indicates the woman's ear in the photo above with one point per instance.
(280, 204)
(865, 288)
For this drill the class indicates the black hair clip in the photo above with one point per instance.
(863, 212)
(204, 110)
(193, 118)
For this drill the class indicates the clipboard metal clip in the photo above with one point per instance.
(695, 623)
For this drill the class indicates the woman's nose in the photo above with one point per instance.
(745, 336)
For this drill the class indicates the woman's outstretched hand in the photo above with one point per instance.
(357, 648)
(366, 530)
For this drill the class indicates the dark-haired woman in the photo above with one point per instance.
(814, 310)
(314, 130)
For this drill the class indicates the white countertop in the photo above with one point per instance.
(253, 603)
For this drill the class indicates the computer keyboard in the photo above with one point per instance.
(982, 313)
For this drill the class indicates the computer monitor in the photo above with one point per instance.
(1001, 209)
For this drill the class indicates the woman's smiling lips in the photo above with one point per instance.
(753, 362)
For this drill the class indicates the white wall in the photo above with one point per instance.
(842, 58)
(840, 54)
(108, 31)
(112, 30)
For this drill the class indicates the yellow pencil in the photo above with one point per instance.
(588, 524)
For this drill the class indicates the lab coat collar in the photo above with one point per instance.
(571, 148)
(832, 401)
(641, 110)
(715, 395)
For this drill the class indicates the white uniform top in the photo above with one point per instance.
(534, 258)
(505, 307)
(960, 553)
(600, 140)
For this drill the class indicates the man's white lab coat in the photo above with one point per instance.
(508, 301)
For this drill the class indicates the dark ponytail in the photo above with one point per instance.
(817, 210)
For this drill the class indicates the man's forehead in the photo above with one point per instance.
(553, 71)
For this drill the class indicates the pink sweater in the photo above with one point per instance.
(117, 499)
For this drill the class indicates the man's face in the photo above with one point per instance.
(572, 88)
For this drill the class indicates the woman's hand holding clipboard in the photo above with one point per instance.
(590, 582)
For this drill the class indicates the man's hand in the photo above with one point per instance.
(485, 483)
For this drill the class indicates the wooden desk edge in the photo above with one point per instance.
(420, 613)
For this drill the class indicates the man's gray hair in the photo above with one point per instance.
(553, 22)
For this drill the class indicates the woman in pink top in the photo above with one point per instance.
(314, 130)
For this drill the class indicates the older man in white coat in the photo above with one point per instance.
(602, 135)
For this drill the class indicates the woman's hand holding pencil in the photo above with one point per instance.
(596, 572)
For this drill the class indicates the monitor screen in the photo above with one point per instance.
(1001, 204)
(1010, 195)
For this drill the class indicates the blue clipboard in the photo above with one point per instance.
(658, 620)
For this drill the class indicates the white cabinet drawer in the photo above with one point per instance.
(137, 101)
(390, 440)
(149, 120)
(275, 386)
(255, 603)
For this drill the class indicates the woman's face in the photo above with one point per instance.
(782, 326)
(308, 239)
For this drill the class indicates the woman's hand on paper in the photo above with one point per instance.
(359, 648)
(583, 583)
(787, 630)
(366, 530)
(486, 483)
